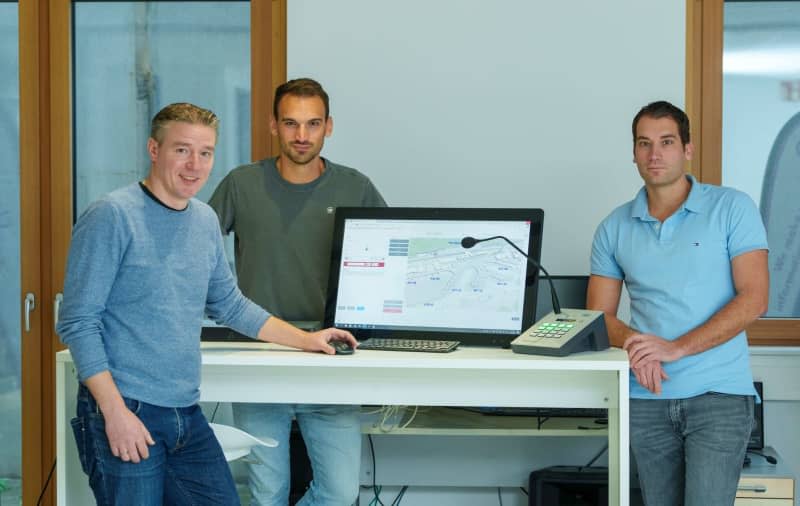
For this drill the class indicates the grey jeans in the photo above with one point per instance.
(689, 452)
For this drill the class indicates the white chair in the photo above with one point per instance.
(237, 443)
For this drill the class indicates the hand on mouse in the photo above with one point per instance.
(342, 347)
(330, 335)
(278, 331)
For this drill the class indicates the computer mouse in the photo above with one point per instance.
(342, 348)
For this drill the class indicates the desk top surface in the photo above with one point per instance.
(465, 357)
(760, 468)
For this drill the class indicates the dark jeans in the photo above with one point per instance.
(689, 452)
(185, 466)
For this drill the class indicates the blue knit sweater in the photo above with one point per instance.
(139, 278)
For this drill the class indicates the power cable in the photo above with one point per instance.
(769, 458)
(400, 495)
(46, 483)
(375, 489)
(602, 451)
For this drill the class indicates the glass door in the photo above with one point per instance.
(10, 284)
(761, 131)
(133, 58)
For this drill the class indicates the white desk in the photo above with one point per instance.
(255, 372)
(765, 484)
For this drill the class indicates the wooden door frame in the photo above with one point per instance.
(46, 219)
(30, 160)
(268, 71)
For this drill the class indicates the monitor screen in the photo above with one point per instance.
(402, 272)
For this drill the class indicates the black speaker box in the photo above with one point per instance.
(569, 486)
(756, 441)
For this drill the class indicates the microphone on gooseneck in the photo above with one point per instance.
(768, 458)
(469, 242)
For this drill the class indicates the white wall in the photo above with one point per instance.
(511, 103)
(492, 104)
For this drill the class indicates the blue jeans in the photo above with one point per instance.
(332, 435)
(185, 466)
(689, 452)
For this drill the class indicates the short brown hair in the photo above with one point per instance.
(663, 109)
(185, 112)
(303, 87)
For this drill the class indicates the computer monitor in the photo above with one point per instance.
(571, 292)
(402, 272)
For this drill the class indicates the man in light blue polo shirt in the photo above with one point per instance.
(694, 260)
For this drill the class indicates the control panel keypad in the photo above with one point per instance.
(552, 329)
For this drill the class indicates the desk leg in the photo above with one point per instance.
(61, 423)
(72, 486)
(618, 452)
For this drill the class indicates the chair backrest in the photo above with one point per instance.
(237, 443)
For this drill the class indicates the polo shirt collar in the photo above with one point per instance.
(692, 204)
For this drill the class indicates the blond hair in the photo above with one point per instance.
(184, 112)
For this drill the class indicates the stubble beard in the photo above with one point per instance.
(301, 159)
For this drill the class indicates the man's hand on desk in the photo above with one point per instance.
(646, 352)
(278, 331)
(325, 336)
(644, 348)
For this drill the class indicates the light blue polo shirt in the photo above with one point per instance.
(678, 274)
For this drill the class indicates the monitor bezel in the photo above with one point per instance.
(534, 216)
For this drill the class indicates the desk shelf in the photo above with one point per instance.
(438, 421)
(764, 484)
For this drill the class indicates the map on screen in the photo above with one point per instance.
(400, 270)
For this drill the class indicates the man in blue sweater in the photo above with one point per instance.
(145, 264)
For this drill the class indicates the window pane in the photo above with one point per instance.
(761, 131)
(10, 393)
(133, 58)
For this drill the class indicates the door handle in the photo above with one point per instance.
(30, 305)
(57, 308)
